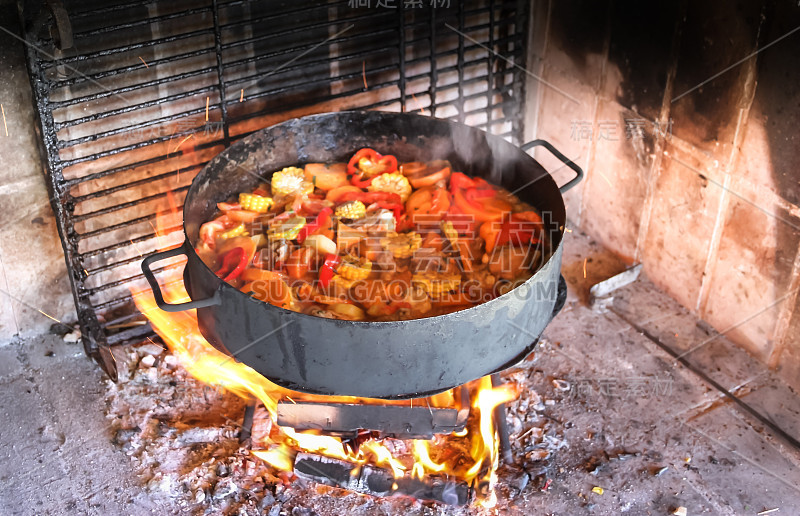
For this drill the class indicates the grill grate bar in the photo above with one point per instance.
(127, 89)
(342, 22)
(278, 53)
(138, 23)
(129, 204)
(127, 48)
(135, 67)
(120, 111)
(99, 175)
(121, 225)
(106, 9)
(125, 243)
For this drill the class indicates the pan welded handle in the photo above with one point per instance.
(566, 161)
(151, 279)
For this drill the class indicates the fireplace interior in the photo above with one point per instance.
(665, 383)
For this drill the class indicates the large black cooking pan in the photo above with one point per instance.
(372, 359)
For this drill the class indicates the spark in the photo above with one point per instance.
(18, 300)
(364, 73)
(207, 100)
(604, 177)
(4, 118)
(584, 267)
(49, 316)
(130, 324)
(241, 95)
(418, 103)
(290, 399)
(182, 142)
(143, 62)
(137, 247)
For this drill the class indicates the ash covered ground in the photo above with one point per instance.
(182, 438)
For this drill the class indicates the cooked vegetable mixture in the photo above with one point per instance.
(374, 240)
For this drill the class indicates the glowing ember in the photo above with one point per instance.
(470, 456)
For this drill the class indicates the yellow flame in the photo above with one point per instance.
(322, 444)
(383, 457)
(423, 456)
(280, 458)
(487, 399)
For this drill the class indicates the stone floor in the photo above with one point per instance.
(645, 429)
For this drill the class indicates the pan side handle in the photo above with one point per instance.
(566, 161)
(151, 279)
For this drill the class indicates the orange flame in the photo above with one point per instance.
(470, 455)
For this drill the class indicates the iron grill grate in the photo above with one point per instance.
(135, 98)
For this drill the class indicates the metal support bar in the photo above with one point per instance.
(247, 422)
(501, 424)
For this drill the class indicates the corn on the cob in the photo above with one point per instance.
(435, 283)
(394, 182)
(353, 268)
(237, 231)
(342, 282)
(253, 202)
(287, 229)
(402, 245)
(351, 210)
(290, 180)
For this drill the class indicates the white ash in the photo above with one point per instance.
(183, 440)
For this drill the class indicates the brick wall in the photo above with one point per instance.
(695, 176)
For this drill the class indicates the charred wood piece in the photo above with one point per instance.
(376, 481)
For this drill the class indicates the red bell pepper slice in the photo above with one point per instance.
(322, 219)
(328, 269)
(517, 229)
(505, 232)
(355, 181)
(233, 264)
(397, 209)
(480, 193)
(479, 211)
(403, 223)
(387, 163)
(390, 197)
(370, 197)
(460, 181)
(529, 226)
